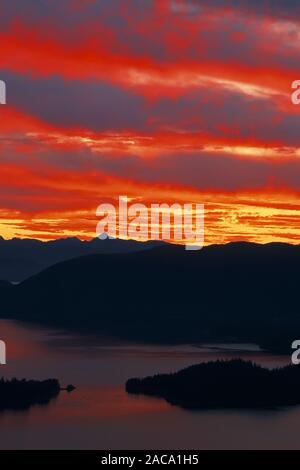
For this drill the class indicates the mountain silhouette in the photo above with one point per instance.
(22, 258)
(235, 292)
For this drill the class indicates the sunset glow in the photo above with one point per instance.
(164, 100)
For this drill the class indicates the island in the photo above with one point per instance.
(22, 394)
(223, 384)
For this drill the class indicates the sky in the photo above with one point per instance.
(160, 100)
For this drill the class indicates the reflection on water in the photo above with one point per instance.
(100, 415)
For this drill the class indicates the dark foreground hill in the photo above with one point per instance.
(22, 258)
(235, 292)
(22, 394)
(223, 384)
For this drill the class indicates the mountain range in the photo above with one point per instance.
(235, 292)
(22, 258)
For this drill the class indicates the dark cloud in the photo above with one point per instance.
(206, 172)
(96, 106)
(101, 106)
(201, 170)
(277, 8)
(75, 11)
(72, 13)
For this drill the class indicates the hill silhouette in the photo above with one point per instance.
(236, 292)
(22, 258)
(223, 384)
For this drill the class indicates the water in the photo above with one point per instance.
(100, 415)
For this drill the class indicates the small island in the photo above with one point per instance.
(223, 384)
(22, 394)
